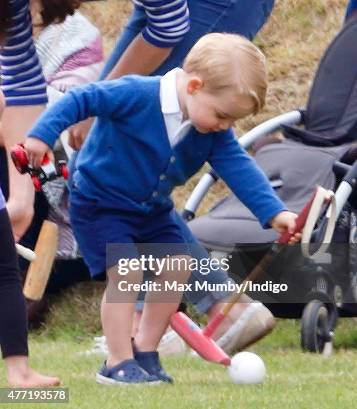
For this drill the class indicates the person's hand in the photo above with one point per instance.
(36, 150)
(286, 221)
(78, 133)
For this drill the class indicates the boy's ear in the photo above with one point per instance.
(194, 84)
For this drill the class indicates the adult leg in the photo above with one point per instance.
(13, 325)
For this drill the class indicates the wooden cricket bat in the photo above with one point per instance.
(40, 268)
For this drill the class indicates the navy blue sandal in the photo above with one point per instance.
(150, 362)
(128, 372)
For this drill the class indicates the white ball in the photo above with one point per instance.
(246, 368)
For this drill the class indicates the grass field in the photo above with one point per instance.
(294, 380)
(293, 40)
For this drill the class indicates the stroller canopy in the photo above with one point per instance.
(331, 113)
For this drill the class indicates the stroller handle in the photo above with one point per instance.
(198, 193)
(346, 187)
(271, 125)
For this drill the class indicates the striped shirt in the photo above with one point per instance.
(22, 80)
(167, 21)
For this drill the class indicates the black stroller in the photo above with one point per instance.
(320, 153)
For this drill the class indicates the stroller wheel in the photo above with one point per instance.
(316, 326)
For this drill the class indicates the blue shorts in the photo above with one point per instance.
(95, 225)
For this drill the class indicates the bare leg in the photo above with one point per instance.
(117, 312)
(20, 375)
(156, 315)
(136, 323)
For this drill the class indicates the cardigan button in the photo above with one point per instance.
(155, 194)
(173, 159)
(162, 177)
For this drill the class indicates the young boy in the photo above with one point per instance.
(152, 134)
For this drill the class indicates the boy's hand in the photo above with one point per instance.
(285, 221)
(78, 133)
(36, 150)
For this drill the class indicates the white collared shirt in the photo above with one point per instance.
(175, 126)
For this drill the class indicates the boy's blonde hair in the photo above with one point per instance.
(229, 61)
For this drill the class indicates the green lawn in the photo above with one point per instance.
(294, 380)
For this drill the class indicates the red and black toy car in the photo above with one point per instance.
(46, 172)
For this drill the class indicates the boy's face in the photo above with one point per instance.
(210, 112)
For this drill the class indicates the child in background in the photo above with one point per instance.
(70, 53)
(151, 134)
